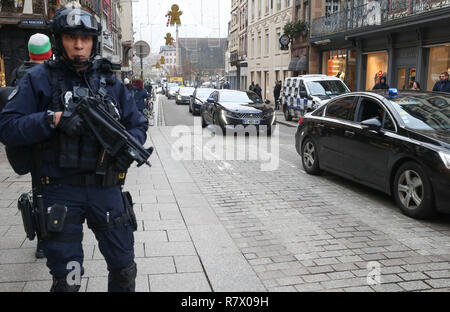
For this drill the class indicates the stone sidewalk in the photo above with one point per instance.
(180, 244)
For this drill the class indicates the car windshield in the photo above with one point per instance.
(240, 97)
(187, 91)
(174, 88)
(326, 87)
(203, 93)
(428, 113)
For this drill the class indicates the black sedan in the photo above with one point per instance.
(396, 142)
(183, 95)
(229, 108)
(198, 98)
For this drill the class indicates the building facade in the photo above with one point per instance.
(305, 58)
(111, 30)
(20, 19)
(267, 63)
(404, 40)
(170, 59)
(127, 38)
(201, 58)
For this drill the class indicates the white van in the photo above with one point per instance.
(305, 93)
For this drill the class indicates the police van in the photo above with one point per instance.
(305, 93)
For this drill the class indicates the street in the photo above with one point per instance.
(214, 224)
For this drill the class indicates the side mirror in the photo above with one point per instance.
(372, 124)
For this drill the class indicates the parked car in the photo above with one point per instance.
(183, 95)
(396, 142)
(198, 98)
(168, 86)
(230, 108)
(172, 91)
(305, 93)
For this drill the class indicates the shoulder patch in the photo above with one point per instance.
(14, 93)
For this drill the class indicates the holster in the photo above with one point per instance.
(41, 218)
(128, 204)
(25, 205)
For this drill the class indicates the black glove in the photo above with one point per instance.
(73, 125)
(123, 162)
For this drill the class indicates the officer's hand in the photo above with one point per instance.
(73, 125)
(57, 118)
(123, 162)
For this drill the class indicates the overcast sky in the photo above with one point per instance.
(200, 18)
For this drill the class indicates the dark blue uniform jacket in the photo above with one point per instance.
(24, 119)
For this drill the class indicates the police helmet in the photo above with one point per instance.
(75, 21)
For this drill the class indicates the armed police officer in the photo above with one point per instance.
(75, 178)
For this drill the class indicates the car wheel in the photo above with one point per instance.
(413, 192)
(287, 115)
(204, 124)
(310, 157)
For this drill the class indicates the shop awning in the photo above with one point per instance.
(293, 64)
(302, 64)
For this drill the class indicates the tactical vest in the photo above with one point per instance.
(67, 152)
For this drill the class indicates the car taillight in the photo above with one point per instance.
(300, 120)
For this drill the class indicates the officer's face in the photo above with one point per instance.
(77, 45)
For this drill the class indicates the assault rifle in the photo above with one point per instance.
(111, 134)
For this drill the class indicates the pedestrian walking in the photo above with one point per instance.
(252, 86)
(443, 85)
(67, 156)
(140, 94)
(276, 94)
(382, 84)
(258, 90)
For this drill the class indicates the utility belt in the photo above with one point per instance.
(47, 223)
(107, 180)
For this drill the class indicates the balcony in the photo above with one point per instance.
(373, 14)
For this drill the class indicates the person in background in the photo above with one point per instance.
(382, 84)
(252, 86)
(127, 84)
(257, 89)
(276, 94)
(443, 85)
(416, 86)
(39, 50)
(140, 94)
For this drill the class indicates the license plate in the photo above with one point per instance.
(251, 122)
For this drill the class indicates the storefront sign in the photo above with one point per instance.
(33, 22)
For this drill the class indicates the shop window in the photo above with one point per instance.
(334, 63)
(377, 66)
(439, 62)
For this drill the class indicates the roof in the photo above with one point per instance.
(315, 77)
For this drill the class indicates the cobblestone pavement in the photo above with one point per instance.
(306, 233)
(228, 226)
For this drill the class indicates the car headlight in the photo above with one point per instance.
(198, 102)
(445, 158)
(223, 116)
